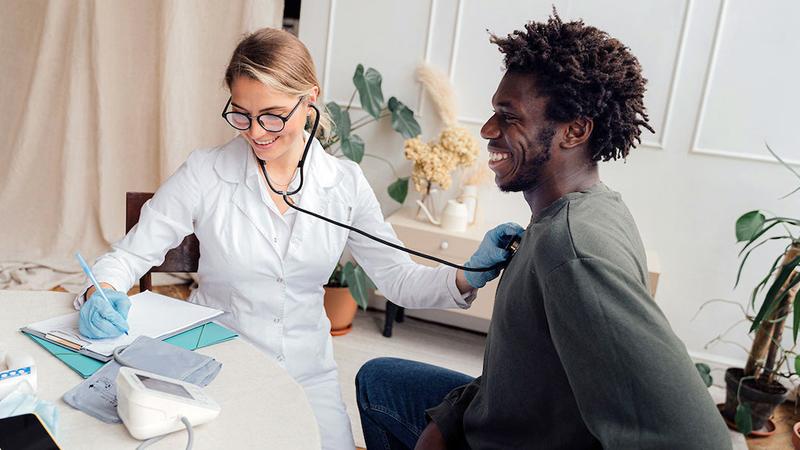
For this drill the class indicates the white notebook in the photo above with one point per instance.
(153, 315)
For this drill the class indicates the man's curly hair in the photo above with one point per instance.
(585, 73)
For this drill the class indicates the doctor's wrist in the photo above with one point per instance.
(461, 282)
(92, 289)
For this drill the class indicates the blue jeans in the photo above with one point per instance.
(392, 396)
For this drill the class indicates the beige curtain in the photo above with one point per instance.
(99, 98)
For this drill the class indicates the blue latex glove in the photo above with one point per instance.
(105, 319)
(18, 403)
(491, 252)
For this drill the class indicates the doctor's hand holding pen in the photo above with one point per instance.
(104, 316)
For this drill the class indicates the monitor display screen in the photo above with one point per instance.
(164, 386)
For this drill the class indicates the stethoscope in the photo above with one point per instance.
(511, 246)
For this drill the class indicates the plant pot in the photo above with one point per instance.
(341, 309)
(762, 398)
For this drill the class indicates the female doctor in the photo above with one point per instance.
(263, 263)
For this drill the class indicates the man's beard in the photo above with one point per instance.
(529, 175)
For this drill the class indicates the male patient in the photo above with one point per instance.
(578, 355)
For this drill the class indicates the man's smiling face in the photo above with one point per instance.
(520, 136)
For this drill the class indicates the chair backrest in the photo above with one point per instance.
(183, 258)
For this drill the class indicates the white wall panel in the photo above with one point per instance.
(751, 93)
(399, 29)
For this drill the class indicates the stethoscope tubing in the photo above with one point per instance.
(290, 202)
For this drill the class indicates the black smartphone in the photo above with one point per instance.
(25, 432)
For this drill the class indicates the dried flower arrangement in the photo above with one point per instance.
(455, 148)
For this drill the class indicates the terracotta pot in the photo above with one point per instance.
(341, 307)
(762, 399)
(796, 436)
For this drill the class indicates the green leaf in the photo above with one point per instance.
(359, 284)
(341, 118)
(705, 373)
(764, 281)
(369, 90)
(796, 324)
(744, 422)
(347, 272)
(748, 225)
(747, 255)
(758, 235)
(403, 120)
(399, 190)
(353, 148)
(772, 298)
(797, 364)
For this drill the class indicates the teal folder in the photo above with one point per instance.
(198, 337)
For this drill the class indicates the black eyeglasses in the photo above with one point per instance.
(269, 122)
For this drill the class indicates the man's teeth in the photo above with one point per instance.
(498, 156)
(265, 142)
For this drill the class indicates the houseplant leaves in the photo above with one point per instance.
(359, 283)
(399, 190)
(368, 85)
(403, 120)
(353, 147)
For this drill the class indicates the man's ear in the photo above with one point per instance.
(577, 132)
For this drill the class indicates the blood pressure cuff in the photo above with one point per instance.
(97, 396)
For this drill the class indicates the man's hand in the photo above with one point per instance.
(490, 252)
(431, 438)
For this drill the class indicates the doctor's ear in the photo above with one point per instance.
(313, 94)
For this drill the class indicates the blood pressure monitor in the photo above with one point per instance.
(151, 405)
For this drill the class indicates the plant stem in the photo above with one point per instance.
(352, 96)
(371, 119)
(384, 160)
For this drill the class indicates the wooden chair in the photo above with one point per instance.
(183, 258)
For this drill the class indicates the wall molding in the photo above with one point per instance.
(326, 70)
(329, 46)
(712, 66)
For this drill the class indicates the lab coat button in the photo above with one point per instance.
(279, 280)
(280, 358)
(277, 320)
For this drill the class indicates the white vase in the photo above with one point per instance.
(429, 206)
(455, 216)
(469, 196)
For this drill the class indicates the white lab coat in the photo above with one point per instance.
(272, 300)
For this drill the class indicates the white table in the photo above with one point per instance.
(262, 406)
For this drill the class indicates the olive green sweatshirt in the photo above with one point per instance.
(579, 356)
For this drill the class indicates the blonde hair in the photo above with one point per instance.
(279, 60)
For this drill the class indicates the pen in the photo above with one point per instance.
(89, 274)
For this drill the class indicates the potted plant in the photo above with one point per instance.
(754, 391)
(349, 285)
(346, 290)
(343, 142)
